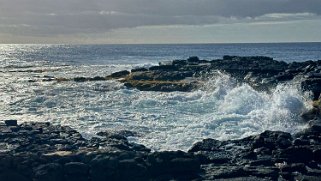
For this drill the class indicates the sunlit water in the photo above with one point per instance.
(222, 109)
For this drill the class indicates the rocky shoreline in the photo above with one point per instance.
(42, 151)
(39, 151)
(262, 73)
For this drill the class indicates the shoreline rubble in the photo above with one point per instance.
(42, 151)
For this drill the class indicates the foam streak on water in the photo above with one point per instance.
(222, 109)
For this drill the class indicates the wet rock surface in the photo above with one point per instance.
(271, 155)
(260, 72)
(42, 151)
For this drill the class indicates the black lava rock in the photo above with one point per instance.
(10, 122)
(120, 74)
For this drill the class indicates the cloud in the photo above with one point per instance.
(63, 17)
(286, 16)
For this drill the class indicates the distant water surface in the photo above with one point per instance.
(135, 54)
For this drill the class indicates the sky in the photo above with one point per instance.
(159, 21)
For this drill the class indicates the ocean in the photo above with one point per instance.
(222, 109)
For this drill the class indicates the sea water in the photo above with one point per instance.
(221, 109)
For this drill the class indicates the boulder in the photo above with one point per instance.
(174, 163)
(193, 59)
(317, 155)
(165, 86)
(295, 154)
(139, 70)
(314, 85)
(97, 78)
(224, 172)
(76, 171)
(10, 122)
(11, 175)
(80, 79)
(120, 74)
(163, 68)
(103, 167)
(297, 167)
(133, 169)
(179, 63)
(284, 77)
(49, 172)
(272, 140)
(206, 145)
(76, 168)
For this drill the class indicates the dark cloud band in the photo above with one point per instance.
(47, 17)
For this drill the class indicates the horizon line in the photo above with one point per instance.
(285, 42)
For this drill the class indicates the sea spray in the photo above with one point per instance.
(221, 109)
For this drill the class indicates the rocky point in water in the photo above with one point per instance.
(260, 72)
(43, 151)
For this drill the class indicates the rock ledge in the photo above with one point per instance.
(42, 151)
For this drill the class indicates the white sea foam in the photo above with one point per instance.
(222, 109)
